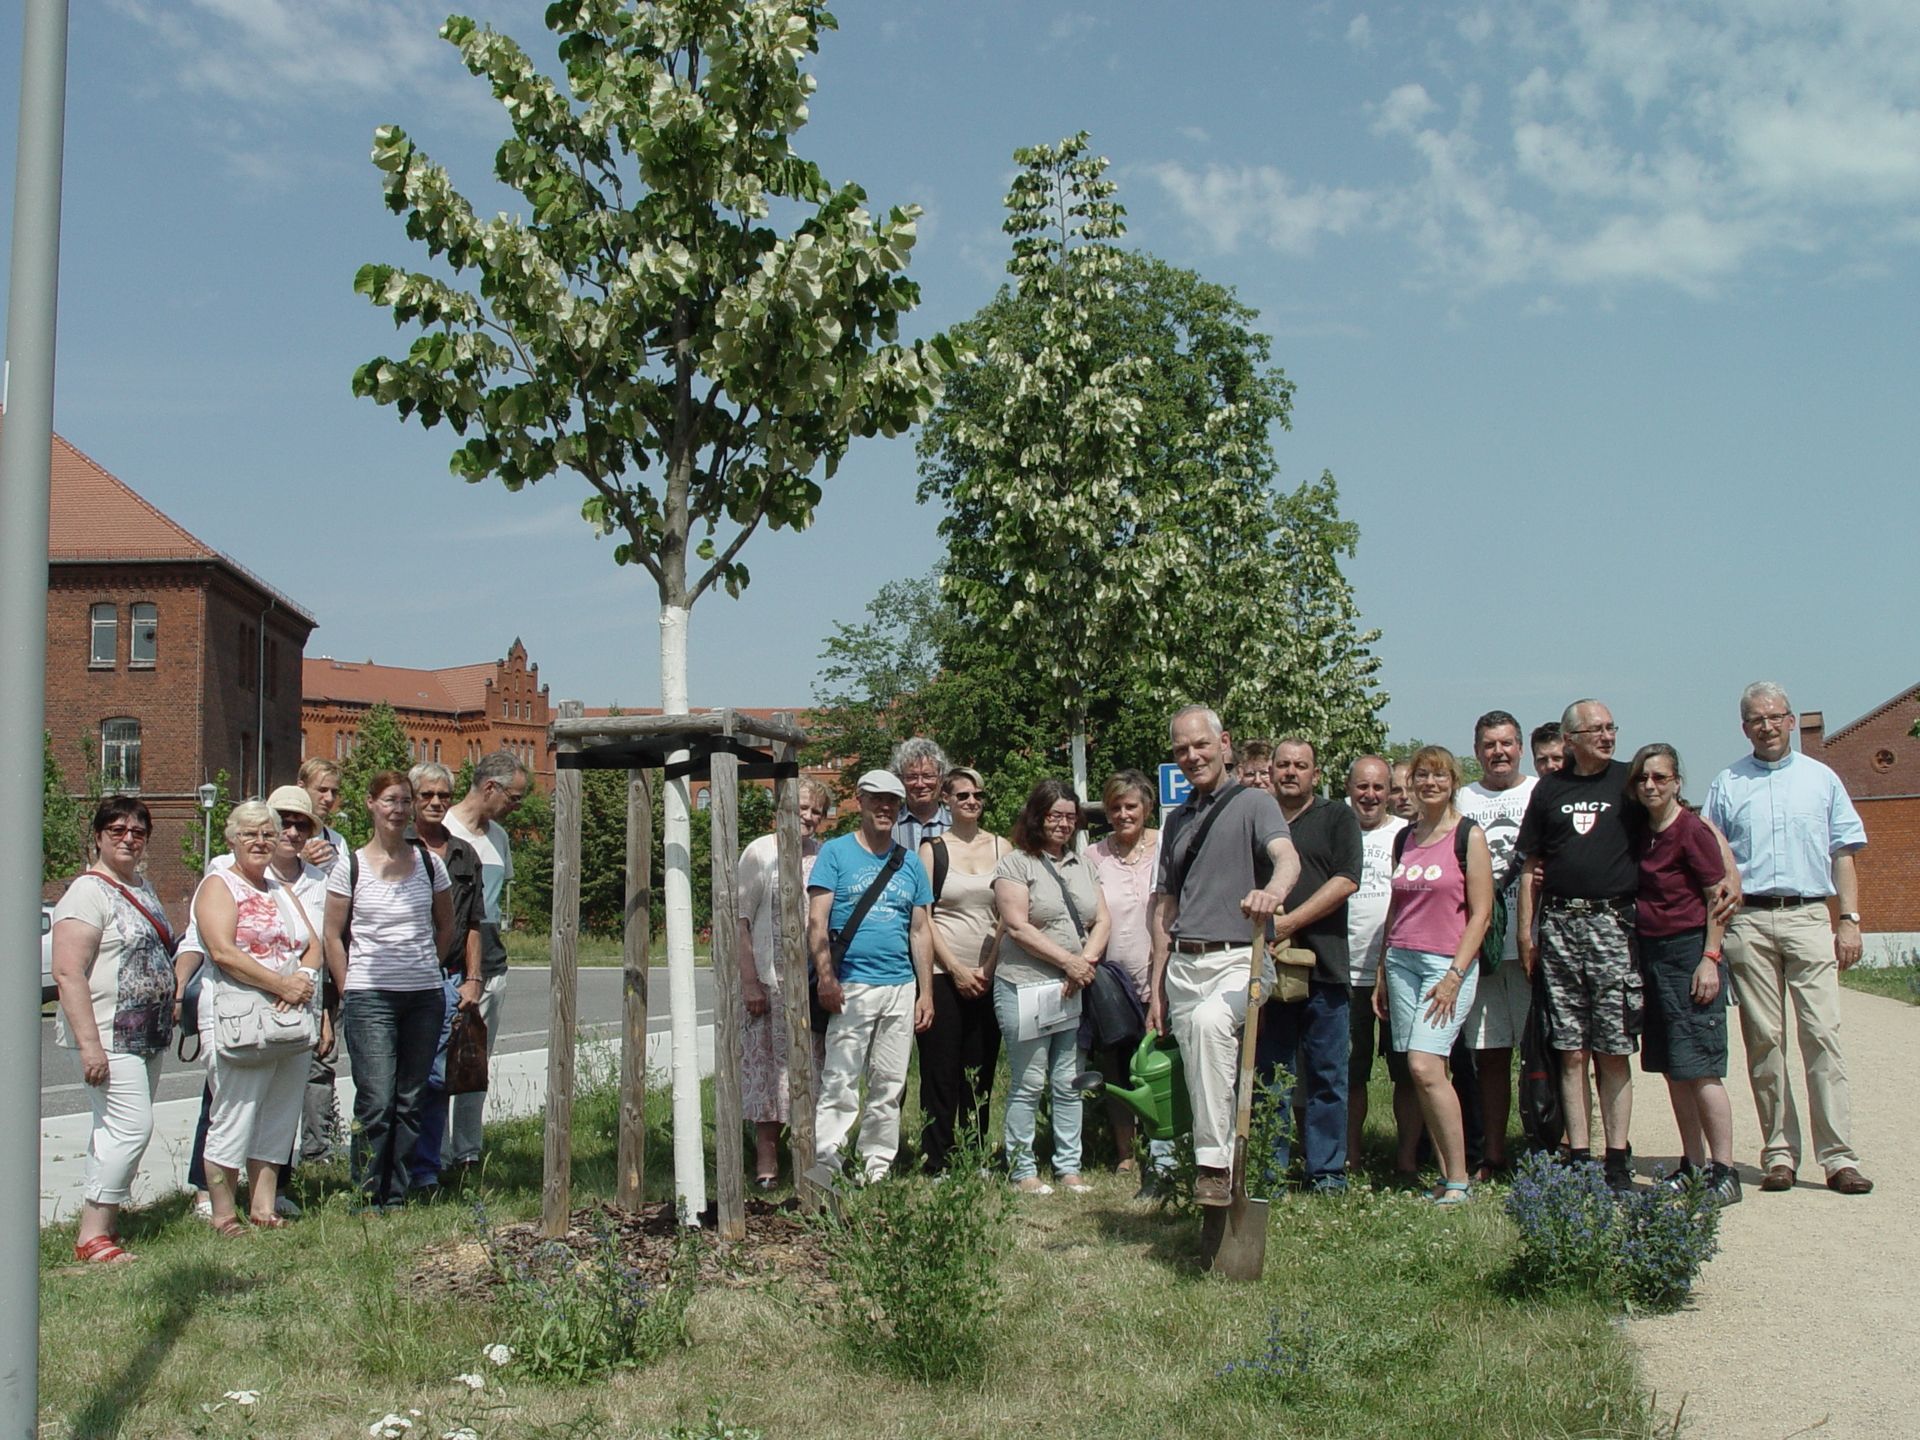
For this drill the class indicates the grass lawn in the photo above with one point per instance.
(536, 948)
(1900, 982)
(1393, 1316)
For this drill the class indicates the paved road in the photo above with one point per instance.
(63, 1093)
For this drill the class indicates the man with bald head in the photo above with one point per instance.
(1576, 826)
(1226, 864)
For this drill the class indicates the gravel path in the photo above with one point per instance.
(1808, 1321)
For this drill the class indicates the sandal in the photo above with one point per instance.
(1033, 1185)
(1452, 1192)
(103, 1250)
(271, 1222)
(229, 1227)
(1074, 1184)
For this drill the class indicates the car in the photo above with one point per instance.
(47, 991)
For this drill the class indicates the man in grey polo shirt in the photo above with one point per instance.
(1205, 902)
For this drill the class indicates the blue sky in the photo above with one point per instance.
(1602, 314)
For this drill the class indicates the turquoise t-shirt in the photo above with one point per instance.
(879, 953)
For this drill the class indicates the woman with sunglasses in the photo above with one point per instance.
(960, 1051)
(262, 941)
(1685, 1039)
(113, 968)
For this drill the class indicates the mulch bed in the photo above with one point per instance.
(778, 1246)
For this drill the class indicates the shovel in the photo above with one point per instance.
(1233, 1237)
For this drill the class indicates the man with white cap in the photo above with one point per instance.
(869, 904)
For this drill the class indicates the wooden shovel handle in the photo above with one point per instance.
(1250, 1032)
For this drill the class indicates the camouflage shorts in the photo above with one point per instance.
(1594, 996)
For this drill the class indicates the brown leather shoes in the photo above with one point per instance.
(1777, 1178)
(1213, 1187)
(1849, 1181)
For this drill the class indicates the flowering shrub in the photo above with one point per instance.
(570, 1317)
(1645, 1250)
(1286, 1363)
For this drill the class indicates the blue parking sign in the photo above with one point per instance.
(1174, 786)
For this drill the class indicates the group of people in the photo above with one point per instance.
(296, 941)
(1417, 918)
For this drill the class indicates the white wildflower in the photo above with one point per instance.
(390, 1427)
(243, 1397)
(499, 1354)
(472, 1382)
(463, 1433)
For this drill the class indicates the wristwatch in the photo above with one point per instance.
(1853, 915)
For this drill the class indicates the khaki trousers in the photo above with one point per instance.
(1206, 1006)
(1777, 957)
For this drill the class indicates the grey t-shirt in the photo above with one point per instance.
(1047, 910)
(1232, 862)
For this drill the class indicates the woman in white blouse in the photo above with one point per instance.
(1125, 862)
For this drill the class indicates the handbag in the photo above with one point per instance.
(248, 1026)
(1542, 1116)
(467, 1054)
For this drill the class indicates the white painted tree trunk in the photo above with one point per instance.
(689, 1147)
(1079, 750)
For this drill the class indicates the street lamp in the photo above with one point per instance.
(208, 794)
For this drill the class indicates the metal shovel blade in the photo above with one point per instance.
(1233, 1237)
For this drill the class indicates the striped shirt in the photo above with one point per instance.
(391, 944)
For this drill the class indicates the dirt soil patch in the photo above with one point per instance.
(779, 1246)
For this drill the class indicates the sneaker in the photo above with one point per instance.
(1683, 1174)
(1075, 1184)
(284, 1207)
(1724, 1185)
(1214, 1188)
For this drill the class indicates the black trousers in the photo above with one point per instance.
(959, 1053)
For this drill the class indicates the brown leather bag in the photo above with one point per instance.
(467, 1054)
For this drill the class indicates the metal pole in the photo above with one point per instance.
(26, 460)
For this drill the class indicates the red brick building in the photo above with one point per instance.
(1878, 759)
(451, 715)
(167, 661)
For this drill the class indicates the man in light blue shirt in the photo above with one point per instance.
(1794, 833)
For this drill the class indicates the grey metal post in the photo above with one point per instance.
(26, 450)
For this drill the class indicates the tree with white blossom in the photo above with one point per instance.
(647, 328)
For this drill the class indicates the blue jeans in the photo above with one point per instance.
(1035, 1065)
(391, 1038)
(423, 1166)
(1318, 1033)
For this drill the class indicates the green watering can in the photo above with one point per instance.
(1158, 1094)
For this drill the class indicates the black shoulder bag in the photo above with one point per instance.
(839, 940)
(1184, 865)
(940, 863)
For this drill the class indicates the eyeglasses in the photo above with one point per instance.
(1608, 729)
(1649, 778)
(434, 795)
(266, 836)
(1768, 722)
(962, 795)
(296, 822)
(135, 833)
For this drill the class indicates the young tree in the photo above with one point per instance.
(378, 744)
(646, 327)
(63, 821)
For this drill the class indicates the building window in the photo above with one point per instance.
(145, 649)
(105, 620)
(120, 753)
(702, 798)
(436, 752)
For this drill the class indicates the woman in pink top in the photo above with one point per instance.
(1436, 919)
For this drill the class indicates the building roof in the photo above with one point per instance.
(457, 690)
(1906, 696)
(94, 517)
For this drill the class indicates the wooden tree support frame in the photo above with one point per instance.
(724, 746)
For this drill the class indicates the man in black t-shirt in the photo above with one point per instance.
(1576, 827)
(1314, 1036)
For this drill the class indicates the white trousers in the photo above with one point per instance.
(256, 1108)
(469, 1110)
(871, 1036)
(122, 1126)
(1206, 1006)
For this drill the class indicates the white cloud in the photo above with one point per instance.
(1360, 32)
(1228, 204)
(1195, 134)
(1072, 26)
(1403, 110)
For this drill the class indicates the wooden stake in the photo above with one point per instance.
(802, 1083)
(556, 1191)
(723, 813)
(635, 960)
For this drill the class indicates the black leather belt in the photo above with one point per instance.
(1779, 902)
(1207, 947)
